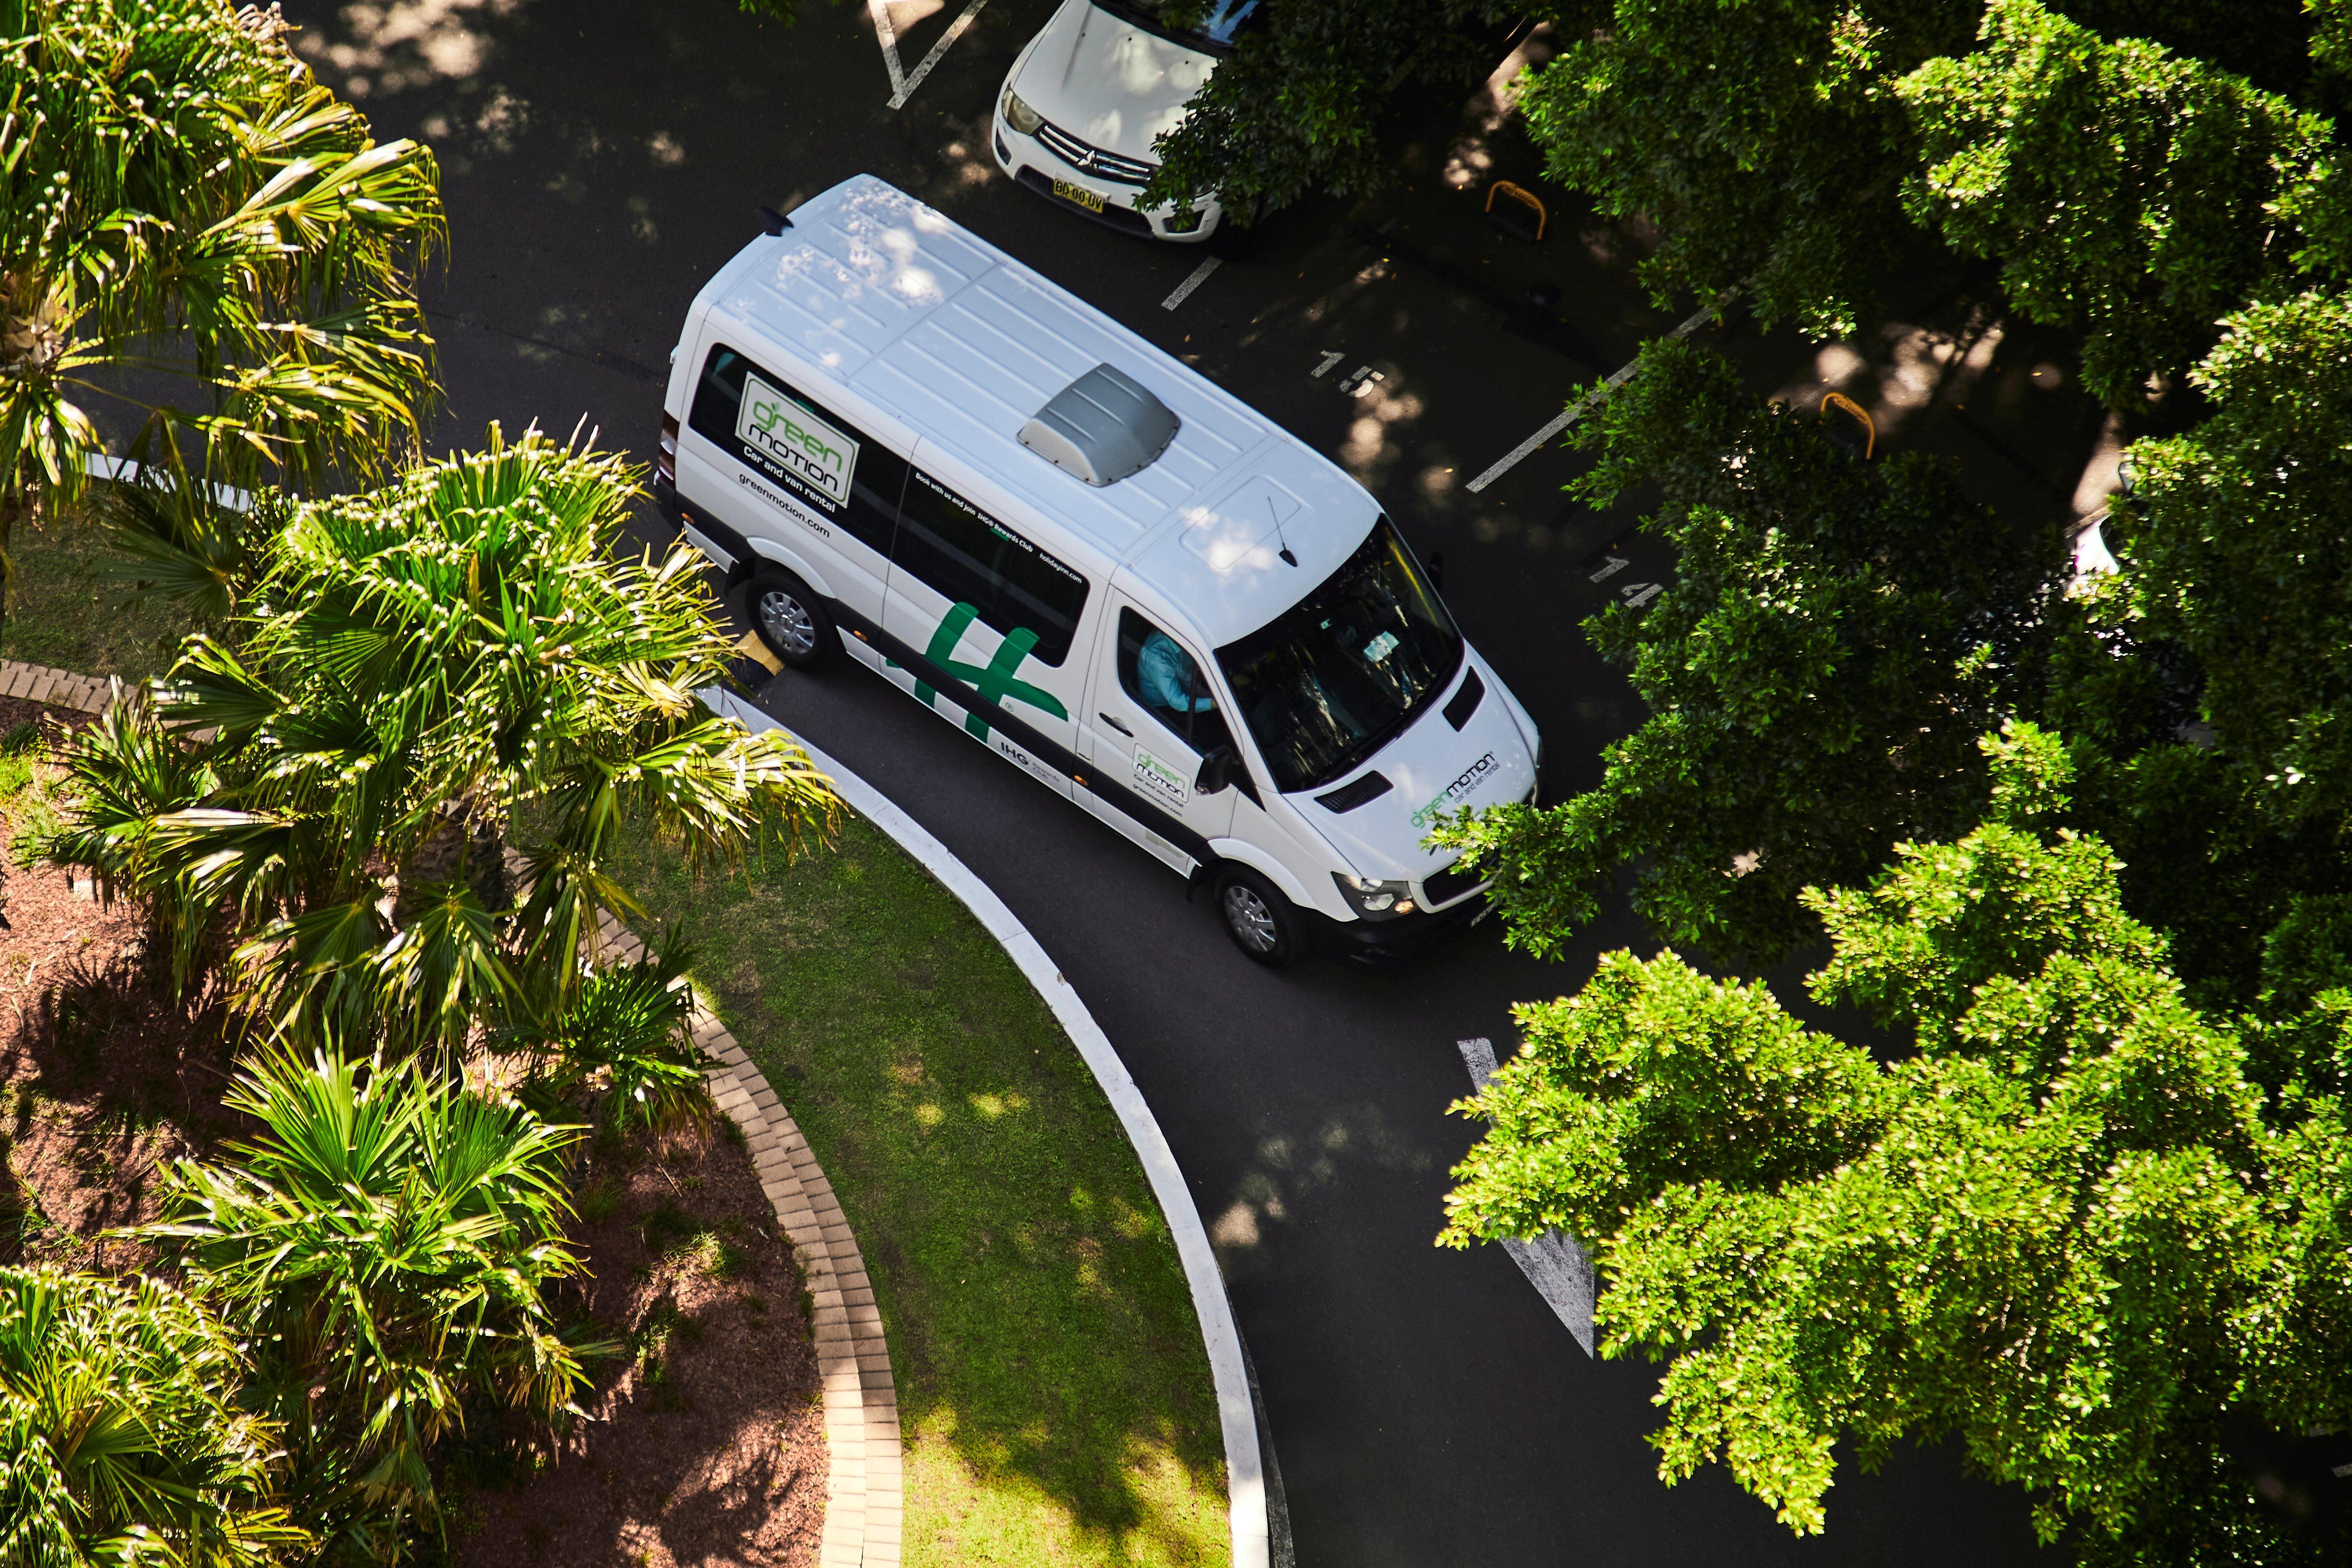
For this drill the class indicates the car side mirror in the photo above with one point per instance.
(1216, 773)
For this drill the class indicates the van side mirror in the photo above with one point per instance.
(1216, 773)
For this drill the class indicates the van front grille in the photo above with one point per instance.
(1092, 160)
(1443, 887)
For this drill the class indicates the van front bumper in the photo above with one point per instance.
(1035, 167)
(1376, 944)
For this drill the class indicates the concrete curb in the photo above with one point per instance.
(865, 1501)
(1245, 1474)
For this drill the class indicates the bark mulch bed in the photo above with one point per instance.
(705, 1444)
(103, 1077)
(705, 1441)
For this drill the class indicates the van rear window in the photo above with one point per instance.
(764, 422)
(972, 559)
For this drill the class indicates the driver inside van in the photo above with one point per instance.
(1169, 677)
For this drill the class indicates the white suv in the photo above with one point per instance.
(1084, 103)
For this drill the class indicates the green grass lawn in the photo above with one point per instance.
(63, 610)
(1052, 1384)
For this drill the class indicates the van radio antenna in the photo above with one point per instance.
(1276, 513)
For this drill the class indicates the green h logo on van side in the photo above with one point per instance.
(994, 680)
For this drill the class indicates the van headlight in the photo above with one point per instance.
(1020, 115)
(1375, 900)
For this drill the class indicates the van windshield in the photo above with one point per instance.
(1212, 26)
(1332, 678)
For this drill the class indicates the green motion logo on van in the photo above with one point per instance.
(1454, 793)
(806, 446)
(994, 679)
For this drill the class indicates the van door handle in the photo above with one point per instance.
(1116, 725)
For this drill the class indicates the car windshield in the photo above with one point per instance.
(1212, 33)
(1333, 677)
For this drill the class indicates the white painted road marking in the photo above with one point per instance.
(880, 11)
(1333, 357)
(1584, 405)
(1615, 564)
(1361, 380)
(1185, 289)
(955, 31)
(1554, 1264)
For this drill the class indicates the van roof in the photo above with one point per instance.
(963, 344)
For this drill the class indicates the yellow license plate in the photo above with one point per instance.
(1078, 193)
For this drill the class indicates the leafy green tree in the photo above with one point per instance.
(2235, 539)
(620, 1041)
(388, 1240)
(194, 229)
(2093, 1233)
(1294, 105)
(1763, 137)
(121, 1436)
(420, 675)
(2123, 188)
(1836, 637)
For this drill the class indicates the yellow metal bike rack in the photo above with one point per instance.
(1517, 194)
(1869, 430)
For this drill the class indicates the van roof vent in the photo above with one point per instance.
(1102, 427)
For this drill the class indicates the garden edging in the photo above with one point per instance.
(1245, 1474)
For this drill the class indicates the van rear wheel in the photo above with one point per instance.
(792, 620)
(1262, 924)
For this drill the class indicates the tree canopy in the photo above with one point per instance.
(194, 229)
(2086, 1228)
(416, 676)
(1836, 636)
(121, 1438)
(1294, 105)
(2136, 193)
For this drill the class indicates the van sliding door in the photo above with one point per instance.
(996, 613)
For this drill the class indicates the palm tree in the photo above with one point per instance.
(619, 1044)
(195, 230)
(420, 676)
(120, 1438)
(388, 1240)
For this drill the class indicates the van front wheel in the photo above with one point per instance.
(1262, 924)
(792, 620)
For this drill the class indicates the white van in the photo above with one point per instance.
(896, 439)
(1093, 90)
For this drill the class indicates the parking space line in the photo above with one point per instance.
(955, 30)
(1185, 289)
(880, 11)
(1553, 1262)
(1584, 405)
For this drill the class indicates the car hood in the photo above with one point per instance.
(1430, 767)
(1108, 82)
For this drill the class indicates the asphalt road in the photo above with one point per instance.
(601, 161)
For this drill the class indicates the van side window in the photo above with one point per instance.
(972, 559)
(779, 432)
(1166, 682)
